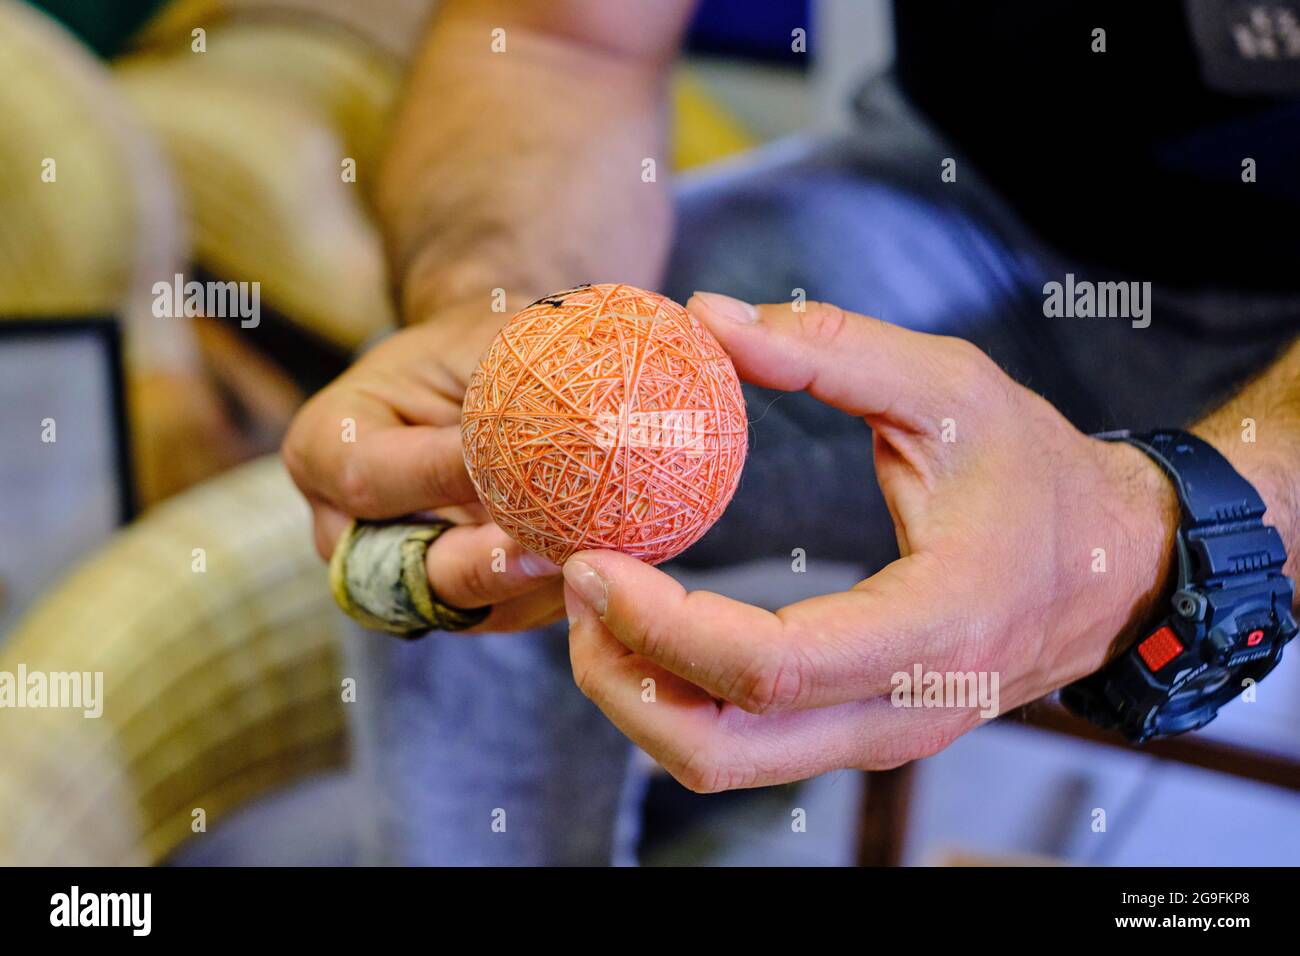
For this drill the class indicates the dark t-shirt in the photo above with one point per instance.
(1131, 157)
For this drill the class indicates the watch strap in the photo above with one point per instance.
(1224, 548)
(1223, 534)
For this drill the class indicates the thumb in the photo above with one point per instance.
(858, 364)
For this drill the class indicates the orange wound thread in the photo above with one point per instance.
(605, 417)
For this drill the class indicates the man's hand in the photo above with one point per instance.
(1028, 549)
(521, 172)
(383, 441)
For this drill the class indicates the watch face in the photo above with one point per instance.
(1195, 703)
(1206, 682)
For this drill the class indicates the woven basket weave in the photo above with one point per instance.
(218, 685)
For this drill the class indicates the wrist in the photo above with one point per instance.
(431, 290)
(1149, 506)
(1147, 566)
(1230, 623)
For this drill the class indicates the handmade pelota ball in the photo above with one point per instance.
(605, 417)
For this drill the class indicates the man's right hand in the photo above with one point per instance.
(383, 441)
(522, 171)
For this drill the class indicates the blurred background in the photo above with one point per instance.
(126, 437)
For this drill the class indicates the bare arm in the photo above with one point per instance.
(522, 169)
(518, 170)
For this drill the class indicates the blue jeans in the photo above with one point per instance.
(454, 734)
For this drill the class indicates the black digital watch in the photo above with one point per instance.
(1231, 613)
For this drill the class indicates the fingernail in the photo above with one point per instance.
(578, 610)
(727, 307)
(589, 585)
(536, 566)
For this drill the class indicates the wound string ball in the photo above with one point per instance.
(605, 416)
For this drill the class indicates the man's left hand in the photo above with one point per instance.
(1028, 550)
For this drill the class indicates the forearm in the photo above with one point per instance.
(1258, 431)
(523, 170)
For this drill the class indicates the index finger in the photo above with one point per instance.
(368, 464)
(858, 364)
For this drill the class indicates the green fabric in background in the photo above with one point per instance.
(103, 25)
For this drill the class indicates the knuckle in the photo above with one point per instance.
(702, 772)
(969, 369)
(295, 449)
(356, 489)
(776, 682)
(436, 486)
(474, 584)
(652, 640)
(584, 677)
(965, 351)
(822, 322)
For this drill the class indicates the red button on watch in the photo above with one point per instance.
(1160, 648)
